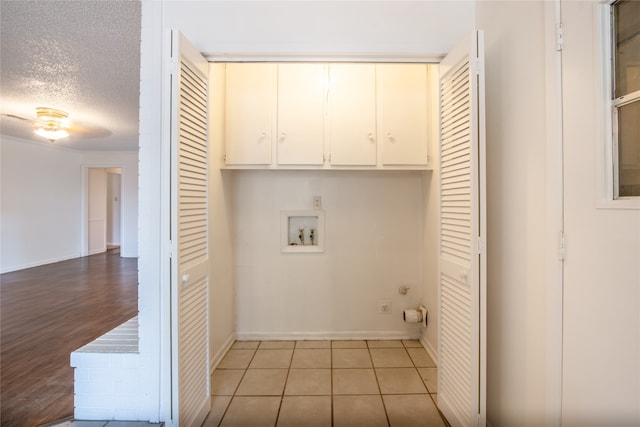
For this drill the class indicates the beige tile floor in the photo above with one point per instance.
(325, 383)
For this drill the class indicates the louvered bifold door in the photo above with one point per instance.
(462, 263)
(190, 261)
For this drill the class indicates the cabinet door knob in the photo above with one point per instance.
(283, 136)
(390, 137)
(263, 136)
(370, 136)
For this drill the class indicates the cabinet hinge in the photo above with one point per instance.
(479, 245)
(559, 37)
(562, 250)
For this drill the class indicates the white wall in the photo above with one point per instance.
(372, 247)
(430, 229)
(153, 286)
(602, 272)
(429, 261)
(40, 207)
(516, 209)
(319, 27)
(44, 202)
(221, 253)
(600, 325)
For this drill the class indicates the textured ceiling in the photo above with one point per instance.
(82, 57)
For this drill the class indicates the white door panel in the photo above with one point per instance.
(189, 235)
(462, 257)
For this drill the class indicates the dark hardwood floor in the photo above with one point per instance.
(46, 313)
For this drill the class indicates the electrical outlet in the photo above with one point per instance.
(384, 306)
(317, 202)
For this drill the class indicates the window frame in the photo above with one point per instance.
(608, 150)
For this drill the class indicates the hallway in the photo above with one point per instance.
(46, 313)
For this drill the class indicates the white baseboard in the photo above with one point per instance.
(325, 335)
(37, 263)
(430, 350)
(217, 358)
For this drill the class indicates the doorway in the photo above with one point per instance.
(104, 210)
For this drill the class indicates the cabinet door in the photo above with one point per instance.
(249, 103)
(352, 114)
(403, 103)
(301, 101)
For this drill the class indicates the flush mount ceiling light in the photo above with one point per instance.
(51, 124)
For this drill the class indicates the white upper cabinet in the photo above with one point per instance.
(301, 104)
(290, 115)
(351, 114)
(402, 100)
(250, 92)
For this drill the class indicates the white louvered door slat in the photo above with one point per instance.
(462, 263)
(190, 263)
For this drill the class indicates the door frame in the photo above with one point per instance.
(84, 203)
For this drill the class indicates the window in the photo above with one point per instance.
(625, 36)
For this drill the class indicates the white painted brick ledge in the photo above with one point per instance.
(107, 378)
(121, 339)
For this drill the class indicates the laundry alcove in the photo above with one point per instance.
(333, 294)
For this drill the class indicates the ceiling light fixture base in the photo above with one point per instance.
(51, 123)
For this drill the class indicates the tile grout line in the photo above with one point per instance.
(375, 374)
(286, 380)
(415, 366)
(331, 378)
(444, 420)
(442, 417)
(425, 386)
(233, 396)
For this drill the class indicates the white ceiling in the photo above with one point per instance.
(82, 57)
